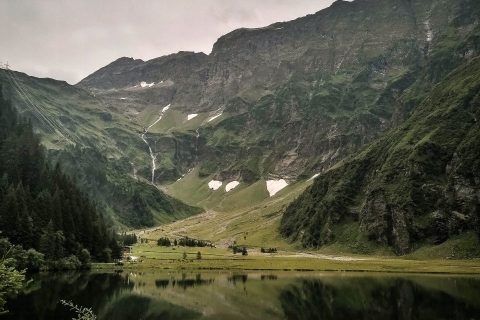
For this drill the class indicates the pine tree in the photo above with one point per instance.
(40, 207)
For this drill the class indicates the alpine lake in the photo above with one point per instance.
(249, 295)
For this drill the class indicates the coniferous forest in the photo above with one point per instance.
(41, 208)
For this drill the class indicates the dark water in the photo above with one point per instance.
(153, 295)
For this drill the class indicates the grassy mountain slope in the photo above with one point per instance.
(417, 185)
(295, 97)
(289, 100)
(94, 146)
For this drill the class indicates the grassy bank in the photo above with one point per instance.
(172, 258)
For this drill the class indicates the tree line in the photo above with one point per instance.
(128, 239)
(183, 242)
(40, 207)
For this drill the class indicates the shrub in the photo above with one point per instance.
(164, 242)
(84, 258)
(244, 251)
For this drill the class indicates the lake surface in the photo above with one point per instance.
(258, 295)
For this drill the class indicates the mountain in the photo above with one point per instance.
(92, 147)
(41, 209)
(294, 97)
(267, 108)
(419, 184)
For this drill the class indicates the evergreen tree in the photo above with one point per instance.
(40, 207)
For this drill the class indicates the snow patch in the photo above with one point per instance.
(429, 31)
(314, 176)
(191, 116)
(231, 185)
(274, 186)
(166, 108)
(144, 84)
(429, 36)
(214, 117)
(183, 175)
(123, 98)
(214, 184)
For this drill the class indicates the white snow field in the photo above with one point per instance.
(191, 116)
(231, 185)
(144, 84)
(274, 186)
(214, 117)
(214, 184)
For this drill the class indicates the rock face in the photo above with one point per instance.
(177, 72)
(417, 184)
(293, 99)
(297, 96)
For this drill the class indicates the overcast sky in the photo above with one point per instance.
(69, 39)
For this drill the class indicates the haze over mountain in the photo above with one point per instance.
(333, 96)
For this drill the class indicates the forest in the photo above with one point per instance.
(41, 209)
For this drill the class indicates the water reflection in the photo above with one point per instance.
(184, 282)
(238, 278)
(368, 298)
(152, 295)
(133, 307)
(40, 299)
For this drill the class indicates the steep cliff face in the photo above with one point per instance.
(286, 101)
(182, 72)
(295, 97)
(418, 184)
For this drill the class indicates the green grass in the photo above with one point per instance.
(461, 246)
(153, 256)
(246, 214)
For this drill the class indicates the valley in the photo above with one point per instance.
(328, 161)
(158, 141)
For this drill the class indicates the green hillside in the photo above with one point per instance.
(416, 186)
(41, 208)
(284, 102)
(97, 148)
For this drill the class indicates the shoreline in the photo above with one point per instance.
(447, 267)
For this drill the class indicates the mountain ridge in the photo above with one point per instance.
(236, 75)
(288, 101)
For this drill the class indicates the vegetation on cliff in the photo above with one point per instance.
(416, 185)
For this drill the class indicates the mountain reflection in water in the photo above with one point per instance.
(229, 295)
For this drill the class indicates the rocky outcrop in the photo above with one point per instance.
(312, 90)
(417, 184)
(296, 99)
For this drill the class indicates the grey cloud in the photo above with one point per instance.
(69, 39)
